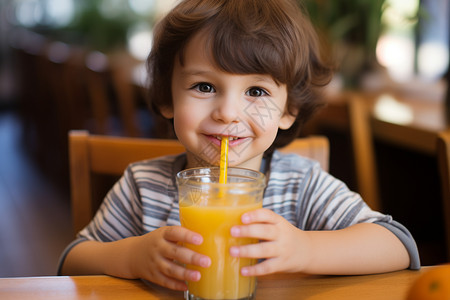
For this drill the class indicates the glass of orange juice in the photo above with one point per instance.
(211, 208)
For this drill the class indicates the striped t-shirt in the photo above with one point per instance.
(146, 198)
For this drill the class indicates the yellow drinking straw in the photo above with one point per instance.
(223, 160)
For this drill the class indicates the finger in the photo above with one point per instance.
(260, 250)
(170, 283)
(158, 277)
(259, 231)
(187, 256)
(261, 215)
(181, 234)
(161, 273)
(176, 271)
(266, 267)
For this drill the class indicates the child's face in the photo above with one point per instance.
(209, 104)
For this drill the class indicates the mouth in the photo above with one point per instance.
(230, 138)
(233, 140)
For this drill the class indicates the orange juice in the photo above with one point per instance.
(210, 207)
(222, 280)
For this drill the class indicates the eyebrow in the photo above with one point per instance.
(194, 72)
(269, 80)
(257, 77)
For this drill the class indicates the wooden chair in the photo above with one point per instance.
(113, 98)
(364, 150)
(349, 112)
(315, 147)
(443, 152)
(128, 98)
(99, 88)
(92, 156)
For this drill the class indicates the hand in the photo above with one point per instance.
(284, 246)
(158, 257)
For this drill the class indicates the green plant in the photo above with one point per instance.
(351, 28)
(91, 27)
(351, 21)
(98, 24)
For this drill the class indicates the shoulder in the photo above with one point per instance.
(293, 163)
(165, 162)
(162, 166)
(304, 178)
(290, 175)
(155, 174)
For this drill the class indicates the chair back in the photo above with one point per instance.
(97, 161)
(443, 152)
(350, 113)
(364, 150)
(315, 147)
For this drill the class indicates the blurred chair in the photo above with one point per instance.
(128, 98)
(443, 152)
(349, 113)
(61, 71)
(315, 147)
(67, 80)
(100, 92)
(94, 156)
(64, 74)
(28, 48)
(363, 150)
(115, 103)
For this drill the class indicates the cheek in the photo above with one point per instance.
(268, 134)
(184, 120)
(265, 115)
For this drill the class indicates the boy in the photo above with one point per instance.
(247, 70)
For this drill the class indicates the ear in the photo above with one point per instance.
(167, 112)
(287, 120)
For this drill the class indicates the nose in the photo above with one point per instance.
(227, 109)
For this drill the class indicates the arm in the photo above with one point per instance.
(152, 256)
(359, 249)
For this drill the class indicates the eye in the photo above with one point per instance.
(204, 87)
(256, 92)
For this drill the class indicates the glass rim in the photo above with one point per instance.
(256, 178)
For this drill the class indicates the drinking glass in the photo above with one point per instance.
(211, 208)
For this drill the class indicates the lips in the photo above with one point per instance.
(233, 140)
(230, 138)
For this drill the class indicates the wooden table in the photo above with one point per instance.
(280, 286)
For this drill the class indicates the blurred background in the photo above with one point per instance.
(80, 64)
